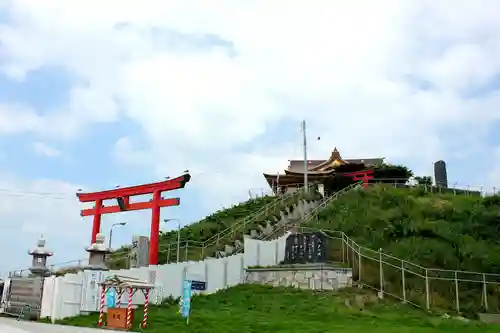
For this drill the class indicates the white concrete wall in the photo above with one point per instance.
(73, 294)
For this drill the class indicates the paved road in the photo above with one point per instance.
(8, 325)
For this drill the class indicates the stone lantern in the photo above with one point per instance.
(39, 261)
(97, 254)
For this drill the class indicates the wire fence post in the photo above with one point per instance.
(353, 254)
(403, 281)
(342, 248)
(427, 294)
(359, 263)
(168, 254)
(485, 293)
(347, 252)
(457, 301)
(186, 251)
(202, 251)
(381, 294)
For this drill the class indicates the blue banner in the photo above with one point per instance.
(186, 298)
(111, 298)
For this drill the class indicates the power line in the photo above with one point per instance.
(31, 196)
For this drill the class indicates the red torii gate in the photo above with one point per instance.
(365, 176)
(122, 195)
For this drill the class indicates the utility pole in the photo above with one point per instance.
(305, 155)
(178, 236)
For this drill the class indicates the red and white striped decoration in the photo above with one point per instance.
(101, 307)
(129, 308)
(119, 300)
(146, 306)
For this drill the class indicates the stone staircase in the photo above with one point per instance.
(254, 228)
(271, 221)
(289, 219)
(226, 242)
(293, 224)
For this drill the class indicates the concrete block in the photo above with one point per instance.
(254, 233)
(228, 249)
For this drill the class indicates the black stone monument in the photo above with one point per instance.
(440, 174)
(305, 248)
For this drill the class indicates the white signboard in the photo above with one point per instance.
(91, 291)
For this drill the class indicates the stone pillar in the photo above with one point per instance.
(39, 261)
(97, 254)
(139, 254)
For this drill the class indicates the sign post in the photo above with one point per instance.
(186, 300)
(187, 288)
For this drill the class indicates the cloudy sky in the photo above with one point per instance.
(95, 94)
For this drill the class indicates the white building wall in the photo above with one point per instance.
(73, 294)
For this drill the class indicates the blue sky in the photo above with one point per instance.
(95, 97)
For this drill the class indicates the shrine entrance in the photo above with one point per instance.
(123, 195)
(122, 318)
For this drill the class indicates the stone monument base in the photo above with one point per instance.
(303, 276)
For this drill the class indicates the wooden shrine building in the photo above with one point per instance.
(319, 171)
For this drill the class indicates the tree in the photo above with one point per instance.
(424, 180)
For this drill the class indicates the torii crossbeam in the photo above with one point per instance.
(122, 195)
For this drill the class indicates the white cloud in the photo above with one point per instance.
(15, 119)
(42, 148)
(29, 209)
(379, 78)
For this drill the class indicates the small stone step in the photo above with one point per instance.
(220, 254)
(238, 244)
(268, 229)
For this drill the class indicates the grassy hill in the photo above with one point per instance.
(445, 231)
(254, 308)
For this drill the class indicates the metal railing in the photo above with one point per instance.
(406, 281)
(326, 201)
(244, 221)
(455, 188)
(279, 202)
(313, 213)
(423, 287)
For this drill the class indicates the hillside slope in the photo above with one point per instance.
(432, 230)
(255, 308)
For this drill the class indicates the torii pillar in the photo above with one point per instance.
(122, 195)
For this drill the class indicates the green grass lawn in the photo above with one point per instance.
(254, 308)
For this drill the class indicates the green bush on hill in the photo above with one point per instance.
(200, 231)
(430, 229)
(218, 221)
